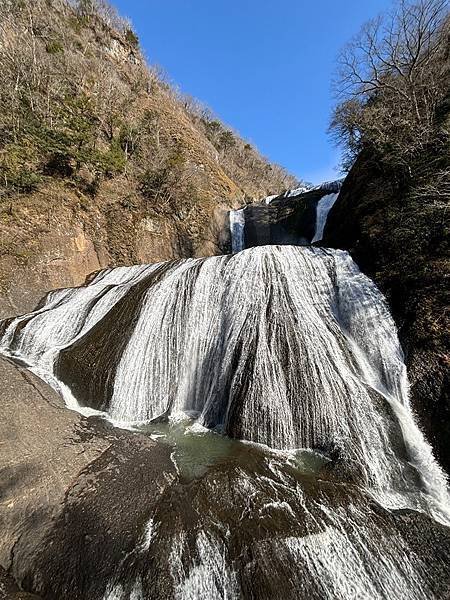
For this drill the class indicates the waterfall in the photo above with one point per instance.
(278, 535)
(291, 350)
(290, 347)
(237, 226)
(324, 206)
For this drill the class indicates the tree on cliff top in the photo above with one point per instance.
(392, 80)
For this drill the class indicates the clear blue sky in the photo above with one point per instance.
(264, 67)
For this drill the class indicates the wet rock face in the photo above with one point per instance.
(56, 463)
(90, 512)
(249, 527)
(288, 219)
(103, 521)
(402, 243)
(284, 221)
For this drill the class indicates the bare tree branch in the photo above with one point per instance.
(392, 77)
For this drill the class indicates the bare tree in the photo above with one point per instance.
(391, 79)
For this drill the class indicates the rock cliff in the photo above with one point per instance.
(103, 162)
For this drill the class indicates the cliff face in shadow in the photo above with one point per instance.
(286, 220)
(400, 239)
(291, 218)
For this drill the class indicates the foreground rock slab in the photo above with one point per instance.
(89, 512)
(53, 462)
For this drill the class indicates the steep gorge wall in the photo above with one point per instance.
(56, 237)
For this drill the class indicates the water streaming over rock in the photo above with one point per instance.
(323, 207)
(237, 226)
(289, 347)
(296, 217)
(257, 528)
(286, 346)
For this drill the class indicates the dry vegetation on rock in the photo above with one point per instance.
(78, 101)
(393, 82)
(102, 161)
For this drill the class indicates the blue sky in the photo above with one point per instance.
(264, 67)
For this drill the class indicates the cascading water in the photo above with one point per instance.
(324, 206)
(237, 227)
(291, 348)
(286, 346)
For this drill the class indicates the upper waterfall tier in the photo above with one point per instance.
(296, 217)
(286, 346)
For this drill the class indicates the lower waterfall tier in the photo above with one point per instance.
(291, 347)
(254, 527)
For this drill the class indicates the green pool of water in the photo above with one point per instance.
(196, 449)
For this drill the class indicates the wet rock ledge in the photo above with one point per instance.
(64, 477)
(88, 512)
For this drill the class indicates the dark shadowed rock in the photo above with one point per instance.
(10, 591)
(290, 218)
(283, 221)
